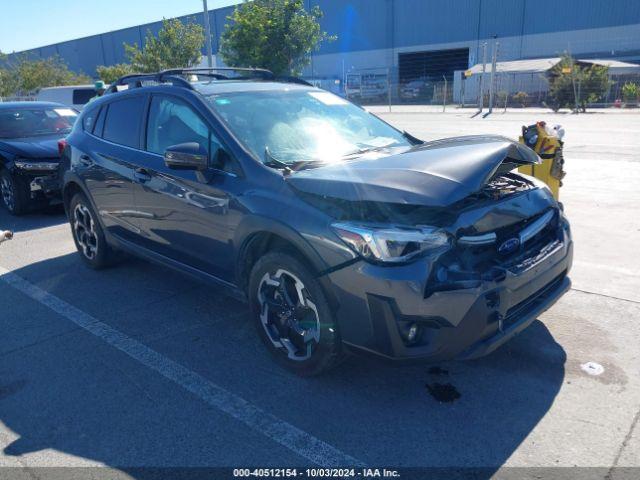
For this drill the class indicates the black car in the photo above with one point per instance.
(29, 152)
(342, 233)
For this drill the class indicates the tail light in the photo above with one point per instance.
(62, 143)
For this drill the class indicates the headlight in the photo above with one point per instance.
(391, 244)
(27, 165)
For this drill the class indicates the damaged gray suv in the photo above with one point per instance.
(342, 233)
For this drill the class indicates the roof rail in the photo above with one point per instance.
(134, 80)
(173, 76)
(298, 80)
(211, 71)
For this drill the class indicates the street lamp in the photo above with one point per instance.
(207, 32)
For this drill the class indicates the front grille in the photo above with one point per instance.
(473, 262)
(485, 256)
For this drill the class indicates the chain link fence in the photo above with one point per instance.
(489, 78)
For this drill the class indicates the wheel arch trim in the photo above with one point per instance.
(254, 226)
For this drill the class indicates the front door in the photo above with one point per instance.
(185, 215)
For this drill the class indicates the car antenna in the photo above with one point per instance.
(270, 159)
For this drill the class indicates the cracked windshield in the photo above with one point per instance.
(303, 125)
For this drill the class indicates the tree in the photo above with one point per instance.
(593, 84)
(275, 34)
(111, 73)
(8, 80)
(177, 45)
(25, 75)
(572, 85)
(9, 83)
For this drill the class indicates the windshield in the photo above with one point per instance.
(302, 126)
(28, 122)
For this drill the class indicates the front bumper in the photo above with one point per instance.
(40, 183)
(377, 303)
(48, 185)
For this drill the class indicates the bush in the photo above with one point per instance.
(630, 92)
(502, 98)
(521, 98)
(567, 80)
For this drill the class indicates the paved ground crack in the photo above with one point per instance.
(607, 296)
(624, 444)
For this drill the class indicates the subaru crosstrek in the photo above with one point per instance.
(342, 232)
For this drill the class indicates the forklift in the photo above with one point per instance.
(547, 143)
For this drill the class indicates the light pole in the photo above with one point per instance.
(494, 57)
(484, 68)
(207, 32)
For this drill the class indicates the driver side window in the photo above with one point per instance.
(172, 122)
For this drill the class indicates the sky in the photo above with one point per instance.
(26, 24)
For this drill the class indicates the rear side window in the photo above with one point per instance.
(99, 123)
(82, 96)
(122, 123)
(89, 119)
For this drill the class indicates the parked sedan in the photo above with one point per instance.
(416, 89)
(29, 157)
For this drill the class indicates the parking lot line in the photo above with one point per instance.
(284, 433)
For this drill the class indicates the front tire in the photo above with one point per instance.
(292, 315)
(88, 234)
(14, 193)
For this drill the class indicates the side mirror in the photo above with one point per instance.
(186, 156)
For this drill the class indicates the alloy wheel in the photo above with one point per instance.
(288, 314)
(6, 188)
(85, 231)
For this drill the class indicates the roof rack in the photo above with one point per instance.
(134, 80)
(173, 76)
(261, 73)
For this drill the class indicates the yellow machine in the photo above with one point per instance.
(547, 143)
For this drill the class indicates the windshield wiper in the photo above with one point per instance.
(273, 162)
(362, 151)
(302, 164)
(413, 140)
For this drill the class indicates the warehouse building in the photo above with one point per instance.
(409, 39)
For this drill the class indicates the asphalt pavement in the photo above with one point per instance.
(139, 366)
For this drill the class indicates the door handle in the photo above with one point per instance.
(141, 175)
(86, 160)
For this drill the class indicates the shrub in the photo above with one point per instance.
(630, 92)
(522, 98)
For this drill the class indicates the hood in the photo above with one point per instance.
(45, 146)
(435, 174)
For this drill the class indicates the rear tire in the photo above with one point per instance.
(14, 192)
(88, 235)
(292, 315)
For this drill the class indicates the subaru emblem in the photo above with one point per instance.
(509, 246)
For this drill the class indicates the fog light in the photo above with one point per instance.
(412, 334)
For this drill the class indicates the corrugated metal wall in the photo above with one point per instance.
(365, 25)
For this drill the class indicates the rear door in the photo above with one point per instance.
(183, 214)
(109, 161)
